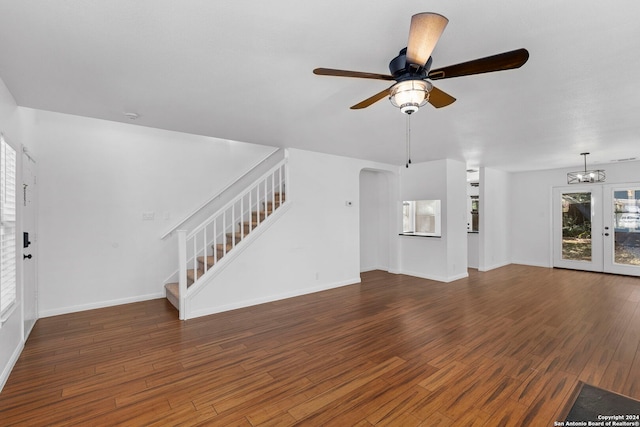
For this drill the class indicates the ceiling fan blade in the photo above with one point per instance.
(501, 61)
(439, 98)
(425, 31)
(346, 73)
(372, 99)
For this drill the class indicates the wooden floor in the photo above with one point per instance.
(501, 348)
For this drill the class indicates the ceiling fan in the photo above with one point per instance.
(411, 69)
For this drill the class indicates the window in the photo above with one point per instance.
(7, 227)
(421, 217)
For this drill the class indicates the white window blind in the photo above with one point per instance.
(8, 241)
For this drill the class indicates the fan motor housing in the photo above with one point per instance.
(401, 70)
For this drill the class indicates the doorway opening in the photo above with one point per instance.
(375, 224)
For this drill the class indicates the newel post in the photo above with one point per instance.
(182, 270)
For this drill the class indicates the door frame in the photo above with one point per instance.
(29, 220)
(602, 229)
(609, 256)
(596, 263)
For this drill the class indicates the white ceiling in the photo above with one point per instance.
(242, 70)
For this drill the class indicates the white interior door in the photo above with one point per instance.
(29, 243)
(597, 228)
(577, 227)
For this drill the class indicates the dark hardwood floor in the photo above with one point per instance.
(501, 348)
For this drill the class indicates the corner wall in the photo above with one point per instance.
(495, 219)
(313, 246)
(108, 191)
(445, 258)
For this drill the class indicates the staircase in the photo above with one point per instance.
(216, 240)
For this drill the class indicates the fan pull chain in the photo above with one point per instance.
(408, 140)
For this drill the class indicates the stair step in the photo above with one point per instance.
(238, 236)
(191, 276)
(262, 213)
(210, 261)
(273, 204)
(254, 218)
(220, 247)
(173, 289)
(265, 212)
(248, 226)
(172, 293)
(245, 225)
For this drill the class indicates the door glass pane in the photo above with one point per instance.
(576, 226)
(626, 208)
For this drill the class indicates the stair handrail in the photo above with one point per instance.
(218, 194)
(238, 197)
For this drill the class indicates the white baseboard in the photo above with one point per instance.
(256, 301)
(532, 264)
(99, 304)
(494, 266)
(445, 279)
(29, 328)
(458, 277)
(378, 267)
(9, 367)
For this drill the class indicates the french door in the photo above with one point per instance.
(597, 228)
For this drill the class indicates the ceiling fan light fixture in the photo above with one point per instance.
(409, 95)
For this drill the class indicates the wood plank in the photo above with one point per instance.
(544, 408)
(498, 348)
(318, 403)
(405, 401)
(508, 415)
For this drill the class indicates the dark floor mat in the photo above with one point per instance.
(597, 405)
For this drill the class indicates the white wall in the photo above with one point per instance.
(312, 247)
(473, 250)
(530, 206)
(11, 332)
(375, 225)
(444, 258)
(495, 213)
(96, 179)
(456, 220)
